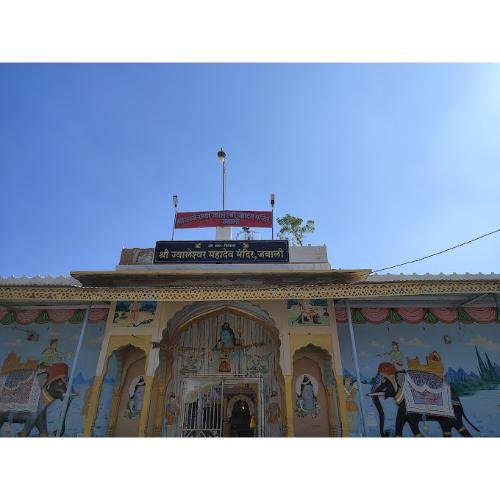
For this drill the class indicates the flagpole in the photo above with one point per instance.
(221, 155)
(272, 216)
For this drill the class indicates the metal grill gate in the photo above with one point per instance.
(203, 404)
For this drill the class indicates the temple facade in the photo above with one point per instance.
(281, 349)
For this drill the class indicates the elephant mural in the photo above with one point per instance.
(24, 399)
(420, 396)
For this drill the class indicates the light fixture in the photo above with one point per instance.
(175, 200)
(221, 156)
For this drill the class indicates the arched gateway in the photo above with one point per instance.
(212, 356)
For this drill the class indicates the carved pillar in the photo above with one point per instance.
(162, 394)
(332, 418)
(159, 410)
(289, 402)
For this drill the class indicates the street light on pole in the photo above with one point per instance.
(221, 156)
(175, 201)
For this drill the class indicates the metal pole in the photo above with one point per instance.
(173, 227)
(65, 403)
(224, 185)
(356, 365)
(221, 421)
(272, 223)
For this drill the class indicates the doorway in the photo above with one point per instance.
(242, 424)
(222, 407)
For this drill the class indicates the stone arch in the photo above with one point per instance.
(319, 361)
(198, 310)
(129, 358)
(184, 319)
(322, 356)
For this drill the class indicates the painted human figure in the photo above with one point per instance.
(134, 310)
(396, 356)
(307, 402)
(307, 312)
(135, 397)
(227, 336)
(50, 356)
(228, 349)
(274, 414)
(172, 410)
(351, 390)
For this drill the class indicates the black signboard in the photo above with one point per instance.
(221, 252)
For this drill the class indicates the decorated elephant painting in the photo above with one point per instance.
(420, 396)
(408, 370)
(35, 364)
(25, 399)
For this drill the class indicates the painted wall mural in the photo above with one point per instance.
(106, 396)
(227, 345)
(308, 312)
(431, 378)
(306, 390)
(36, 353)
(122, 394)
(134, 313)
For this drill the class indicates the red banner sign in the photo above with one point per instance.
(185, 220)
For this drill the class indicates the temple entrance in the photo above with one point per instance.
(222, 407)
(222, 375)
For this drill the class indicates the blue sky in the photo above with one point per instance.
(392, 161)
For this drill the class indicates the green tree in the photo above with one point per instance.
(292, 229)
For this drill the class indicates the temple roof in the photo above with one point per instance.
(201, 285)
(337, 276)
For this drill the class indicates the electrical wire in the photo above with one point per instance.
(437, 253)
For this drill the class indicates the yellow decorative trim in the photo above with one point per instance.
(143, 419)
(195, 293)
(93, 405)
(289, 402)
(341, 398)
(160, 404)
(332, 418)
(113, 413)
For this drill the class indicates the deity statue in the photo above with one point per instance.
(307, 400)
(135, 397)
(227, 353)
